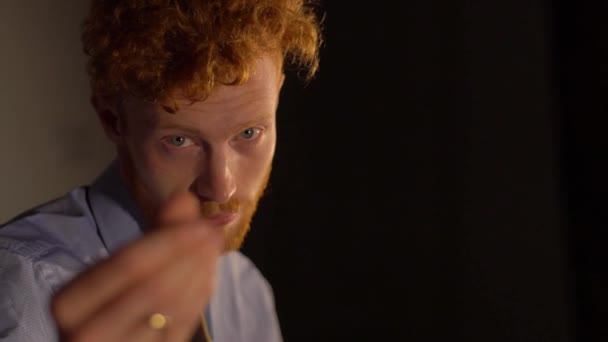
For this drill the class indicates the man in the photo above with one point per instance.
(187, 91)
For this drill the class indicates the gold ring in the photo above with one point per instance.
(158, 321)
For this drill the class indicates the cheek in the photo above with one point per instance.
(158, 172)
(253, 170)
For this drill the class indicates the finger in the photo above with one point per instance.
(186, 312)
(180, 208)
(76, 302)
(168, 291)
(186, 309)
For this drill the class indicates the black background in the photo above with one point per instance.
(443, 176)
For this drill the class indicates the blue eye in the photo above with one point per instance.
(178, 141)
(250, 133)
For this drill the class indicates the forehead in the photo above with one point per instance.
(257, 96)
(261, 89)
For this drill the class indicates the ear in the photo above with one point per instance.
(110, 118)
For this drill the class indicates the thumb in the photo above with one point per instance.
(178, 209)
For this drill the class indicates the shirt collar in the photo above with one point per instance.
(116, 214)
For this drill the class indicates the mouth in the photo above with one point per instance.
(221, 219)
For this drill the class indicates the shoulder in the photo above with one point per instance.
(40, 250)
(238, 266)
(47, 245)
(241, 276)
(63, 223)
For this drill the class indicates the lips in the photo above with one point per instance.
(221, 219)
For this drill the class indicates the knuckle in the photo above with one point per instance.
(128, 262)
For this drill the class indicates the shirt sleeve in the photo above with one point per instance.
(25, 294)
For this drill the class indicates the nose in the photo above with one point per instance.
(216, 181)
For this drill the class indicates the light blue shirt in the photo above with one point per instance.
(45, 247)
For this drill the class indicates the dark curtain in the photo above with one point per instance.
(429, 183)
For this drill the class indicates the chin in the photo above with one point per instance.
(235, 235)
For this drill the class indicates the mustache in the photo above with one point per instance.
(211, 208)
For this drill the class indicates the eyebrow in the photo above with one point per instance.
(195, 131)
(172, 126)
(257, 119)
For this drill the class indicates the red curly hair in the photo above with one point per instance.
(150, 48)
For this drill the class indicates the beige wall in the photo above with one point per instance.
(50, 140)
